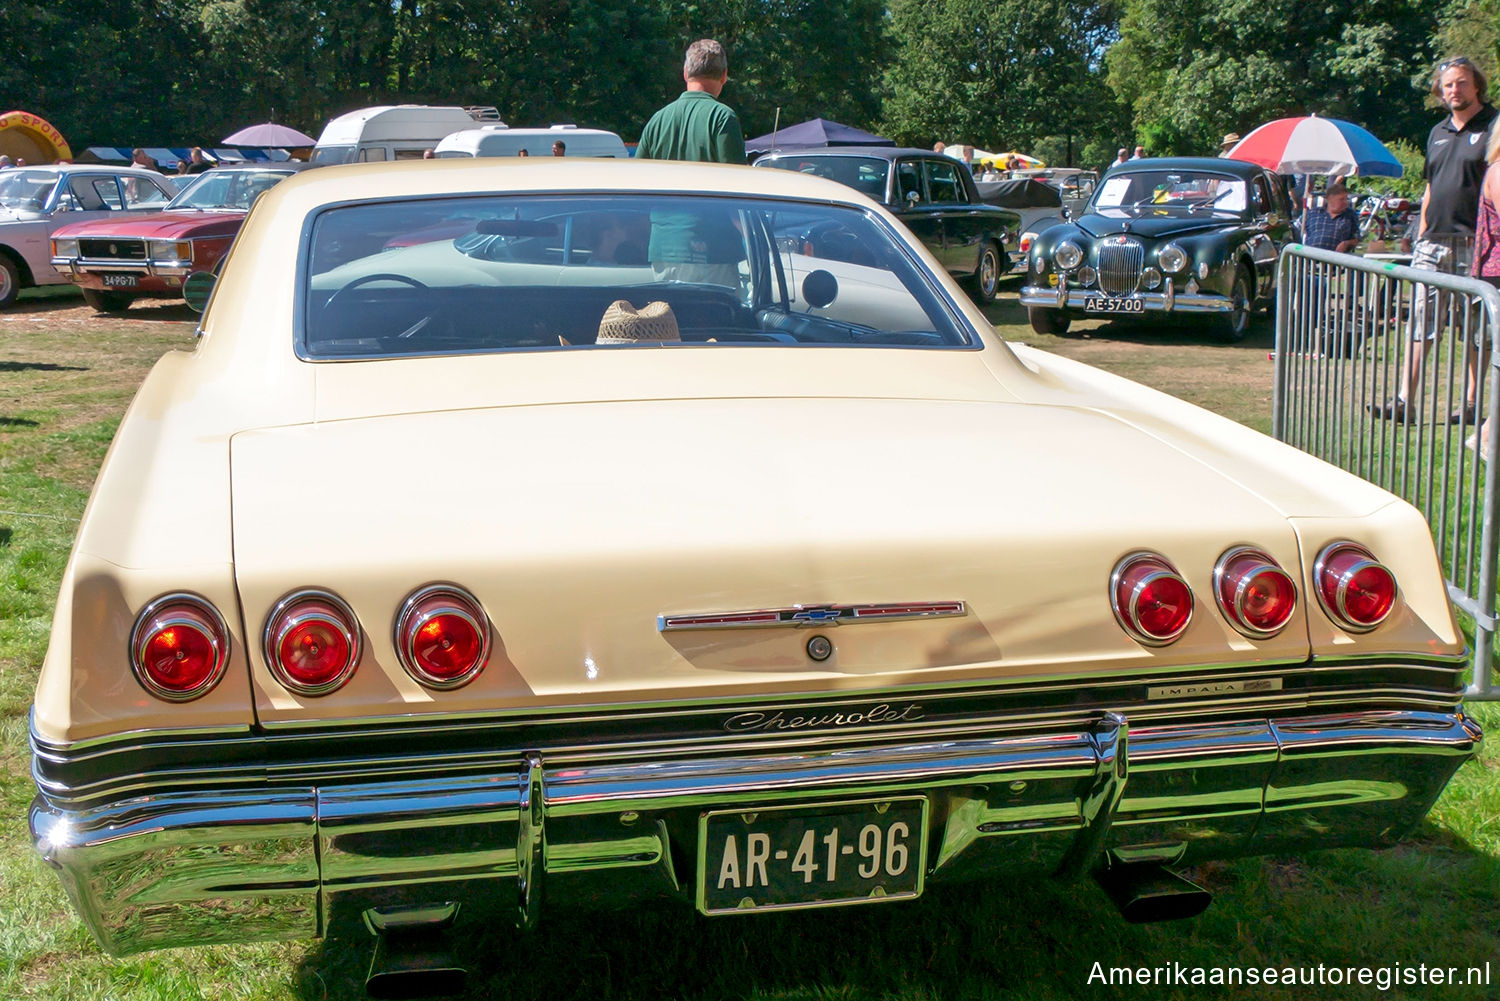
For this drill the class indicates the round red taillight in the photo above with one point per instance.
(179, 647)
(1150, 599)
(1356, 591)
(1255, 595)
(442, 636)
(312, 642)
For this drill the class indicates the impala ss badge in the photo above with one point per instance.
(771, 722)
(810, 615)
(1198, 689)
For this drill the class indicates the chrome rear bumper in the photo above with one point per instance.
(302, 860)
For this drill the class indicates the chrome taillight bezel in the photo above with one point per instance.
(1127, 616)
(1335, 610)
(1228, 607)
(274, 631)
(219, 638)
(459, 601)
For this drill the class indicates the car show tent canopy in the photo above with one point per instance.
(817, 132)
(166, 157)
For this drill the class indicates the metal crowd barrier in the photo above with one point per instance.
(1351, 338)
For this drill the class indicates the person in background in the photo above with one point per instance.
(1123, 156)
(1334, 225)
(138, 158)
(523, 151)
(5, 162)
(1454, 169)
(429, 154)
(1486, 263)
(196, 163)
(1228, 144)
(696, 126)
(1140, 153)
(559, 148)
(939, 147)
(183, 167)
(20, 161)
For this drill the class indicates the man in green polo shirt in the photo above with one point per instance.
(696, 126)
(696, 245)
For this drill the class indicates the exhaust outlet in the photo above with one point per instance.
(1144, 892)
(413, 957)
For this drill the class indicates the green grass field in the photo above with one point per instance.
(65, 378)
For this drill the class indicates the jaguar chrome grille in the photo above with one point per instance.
(1120, 262)
(105, 249)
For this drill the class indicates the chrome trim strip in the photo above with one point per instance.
(809, 615)
(1182, 302)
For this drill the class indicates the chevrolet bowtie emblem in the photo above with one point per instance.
(809, 615)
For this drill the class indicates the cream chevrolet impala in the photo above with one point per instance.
(525, 534)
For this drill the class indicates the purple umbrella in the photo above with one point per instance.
(268, 134)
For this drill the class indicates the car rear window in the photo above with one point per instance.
(497, 273)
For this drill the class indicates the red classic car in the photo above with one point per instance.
(117, 261)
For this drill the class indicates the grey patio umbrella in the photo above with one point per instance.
(268, 134)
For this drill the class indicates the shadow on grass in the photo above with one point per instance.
(1430, 900)
(35, 366)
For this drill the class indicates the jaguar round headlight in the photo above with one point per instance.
(1086, 275)
(1172, 258)
(1068, 255)
(1151, 278)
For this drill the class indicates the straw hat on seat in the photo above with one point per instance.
(653, 323)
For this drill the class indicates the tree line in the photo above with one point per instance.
(1067, 80)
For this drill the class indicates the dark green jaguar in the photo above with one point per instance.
(1174, 235)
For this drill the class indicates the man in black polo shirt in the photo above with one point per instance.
(1453, 171)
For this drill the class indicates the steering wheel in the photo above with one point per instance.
(380, 276)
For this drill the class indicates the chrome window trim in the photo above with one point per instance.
(973, 340)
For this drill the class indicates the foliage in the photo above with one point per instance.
(1408, 185)
(1001, 74)
(1193, 70)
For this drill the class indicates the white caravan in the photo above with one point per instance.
(498, 140)
(393, 132)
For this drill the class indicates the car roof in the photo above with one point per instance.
(883, 152)
(1213, 164)
(465, 176)
(89, 168)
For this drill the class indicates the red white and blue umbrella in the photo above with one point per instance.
(1313, 145)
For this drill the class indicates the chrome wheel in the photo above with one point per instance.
(10, 283)
(987, 280)
(1235, 324)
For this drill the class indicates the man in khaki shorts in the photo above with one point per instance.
(1454, 170)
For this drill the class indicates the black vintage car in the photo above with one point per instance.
(1175, 235)
(933, 194)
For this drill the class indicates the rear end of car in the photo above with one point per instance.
(491, 599)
